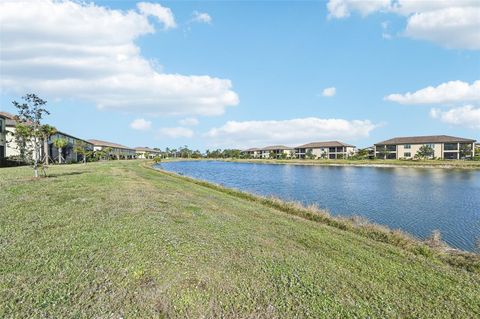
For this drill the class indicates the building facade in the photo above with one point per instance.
(69, 155)
(3, 137)
(276, 151)
(325, 150)
(443, 146)
(146, 152)
(116, 151)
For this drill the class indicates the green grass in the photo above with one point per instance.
(116, 239)
(460, 164)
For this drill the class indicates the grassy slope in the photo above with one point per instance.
(118, 240)
(376, 162)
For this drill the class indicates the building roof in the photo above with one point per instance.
(425, 140)
(253, 149)
(109, 144)
(276, 147)
(146, 149)
(10, 119)
(325, 144)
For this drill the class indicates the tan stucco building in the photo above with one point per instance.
(278, 151)
(144, 152)
(3, 138)
(327, 150)
(117, 151)
(444, 147)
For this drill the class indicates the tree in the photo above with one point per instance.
(46, 131)
(272, 155)
(22, 137)
(82, 148)
(30, 114)
(60, 144)
(465, 150)
(309, 154)
(425, 151)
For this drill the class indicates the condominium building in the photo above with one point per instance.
(146, 152)
(3, 138)
(68, 152)
(327, 150)
(276, 151)
(252, 152)
(443, 146)
(117, 151)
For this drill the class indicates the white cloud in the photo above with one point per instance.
(449, 92)
(202, 17)
(163, 14)
(68, 49)
(329, 92)
(141, 125)
(343, 8)
(176, 132)
(189, 121)
(290, 132)
(466, 116)
(449, 23)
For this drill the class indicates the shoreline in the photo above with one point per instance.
(347, 163)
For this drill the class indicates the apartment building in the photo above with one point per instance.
(276, 151)
(252, 152)
(117, 151)
(444, 147)
(68, 153)
(327, 150)
(3, 137)
(146, 152)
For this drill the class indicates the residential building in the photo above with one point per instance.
(252, 152)
(68, 152)
(444, 147)
(327, 150)
(3, 137)
(69, 155)
(278, 151)
(146, 152)
(117, 151)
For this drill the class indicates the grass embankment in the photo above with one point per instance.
(118, 240)
(380, 163)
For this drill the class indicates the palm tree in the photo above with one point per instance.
(60, 143)
(82, 149)
(47, 131)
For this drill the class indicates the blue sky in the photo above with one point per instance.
(263, 68)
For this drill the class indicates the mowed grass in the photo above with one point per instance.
(118, 240)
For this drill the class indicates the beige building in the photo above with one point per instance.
(3, 137)
(276, 151)
(117, 151)
(444, 147)
(146, 152)
(326, 150)
(252, 152)
(68, 152)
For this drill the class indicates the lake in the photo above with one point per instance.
(416, 200)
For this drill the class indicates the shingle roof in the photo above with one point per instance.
(9, 118)
(276, 147)
(425, 140)
(146, 149)
(325, 144)
(109, 144)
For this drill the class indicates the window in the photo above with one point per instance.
(451, 146)
(391, 148)
(407, 154)
(430, 145)
(407, 146)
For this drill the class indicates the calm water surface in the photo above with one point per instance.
(416, 200)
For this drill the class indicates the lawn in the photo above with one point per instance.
(119, 240)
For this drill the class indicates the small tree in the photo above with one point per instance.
(425, 151)
(30, 114)
(46, 131)
(309, 154)
(157, 159)
(465, 150)
(82, 148)
(22, 138)
(60, 144)
(272, 155)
